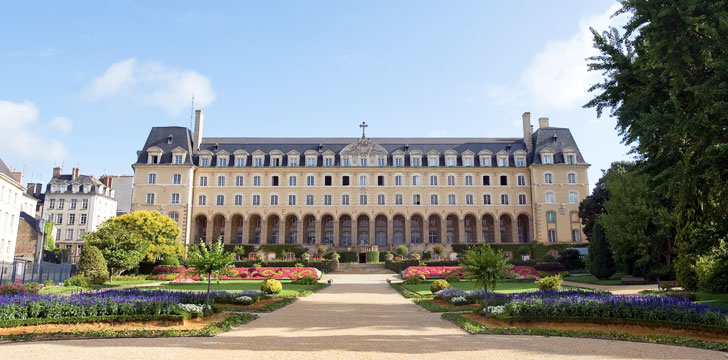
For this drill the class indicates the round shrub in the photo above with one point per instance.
(549, 282)
(271, 286)
(412, 280)
(77, 281)
(92, 265)
(452, 279)
(402, 250)
(170, 261)
(438, 285)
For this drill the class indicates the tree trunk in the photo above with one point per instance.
(207, 298)
(485, 299)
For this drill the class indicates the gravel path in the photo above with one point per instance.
(358, 317)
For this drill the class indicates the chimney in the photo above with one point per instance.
(198, 129)
(543, 122)
(107, 180)
(17, 175)
(527, 131)
(57, 171)
(74, 174)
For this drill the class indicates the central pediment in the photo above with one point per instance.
(363, 147)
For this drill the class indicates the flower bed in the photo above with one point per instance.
(258, 273)
(433, 272)
(524, 272)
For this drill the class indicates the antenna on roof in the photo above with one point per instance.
(192, 110)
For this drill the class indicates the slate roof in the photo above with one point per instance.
(158, 137)
(556, 139)
(33, 222)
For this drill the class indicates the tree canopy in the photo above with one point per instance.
(484, 266)
(209, 261)
(159, 231)
(122, 249)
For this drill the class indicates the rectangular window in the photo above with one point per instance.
(570, 159)
(80, 235)
(467, 161)
(380, 199)
(380, 180)
(433, 199)
(382, 162)
(52, 204)
(258, 162)
(274, 199)
(292, 180)
(415, 180)
(520, 162)
(451, 180)
(150, 199)
(177, 179)
(204, 162)
(468, 180)
(363, 162)
(221, 181)
(486, 199)
(363, 200)
(573, 198)
(82, 219)
(345, 162)
(69, 234)
(292, 161)
(450, 161)
(274, 180)
(240, 161)
(547, 159)
(327, 180)
(551, 217)
(484, 161)
(521, 199)
(58, 236)
(344, 199)
(203, 180)
(468, 199)
(310, 180)
(415, 199)
(504, 199)
(432, 161)
(504, 180)
(552, 236)
(256, 180)
(398, 180)
(220, 200)
(398, 162)
(202, 200)
(362, 180)
(84, 204)
(256, 200)
(521, 180)
(291, 199)
(327, 199)
(61, 203)
(178, 159)
(239, 180)
(175, 198)
(398, 199)
(71, 219)
(309, 199)
(152, 178)
(238, 200)
(433, 180)
(502, 162)
(329, 162)
(311, 161)
(275, 162)
(345, 180)
(451, 199)
(486, 180)
(571, 178)
(222, 162)
(576, 235)
(415, 161)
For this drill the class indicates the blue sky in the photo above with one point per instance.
(82, 83)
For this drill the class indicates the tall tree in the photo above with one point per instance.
(211, 262)
(122, 249)
(601, 264)
(665, 77)
(159, 231)
(639, 224)
(50, 240)
(484, 266)
(593, 205)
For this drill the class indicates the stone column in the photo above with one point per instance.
(354, 232)
(246, 231)
(496, 230)
(426, 230)
(461, 230)
(443, 231)
(479, 231)
(208, 232)
(263, 231)
(514, 229)
(282, 231)
(337, 238)
(372, 231)
(301, 236)
(407, 231)
(390, 232)
(228, 229)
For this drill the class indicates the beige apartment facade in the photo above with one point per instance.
(363, 193)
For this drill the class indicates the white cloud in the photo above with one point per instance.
(61, 124)
(152, 84)
(24, 137)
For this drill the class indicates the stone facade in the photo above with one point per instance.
(30, 237)
(359, 193)
(12, 202)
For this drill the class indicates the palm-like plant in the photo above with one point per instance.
(484, 266)
(210, 261)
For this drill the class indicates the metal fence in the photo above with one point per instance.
(27, 272)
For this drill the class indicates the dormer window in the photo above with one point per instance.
(258, 162)
(363, 162)
(484, 158)
(222, 161)
(311, 161)
(292, 161)
(570, 159)
(154, 155)
(382, 161)
(276, 158)
(169, 139)
(548, 159)
(205, 161)
(345, 162)
(502, 157)
(520, 158)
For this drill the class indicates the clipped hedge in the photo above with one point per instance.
(537, 250)
(383, 256)
(325, 266)
(349, 257)
(400, 265)
(372, 256)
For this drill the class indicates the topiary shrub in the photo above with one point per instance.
(549, 282)
(402, 251)
(271, 286)
(372, 256)
(170, 261)
(92, 265)
(321, 250)
(452, 279)
(438, 285)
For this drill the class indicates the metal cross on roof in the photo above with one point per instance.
(363, 127)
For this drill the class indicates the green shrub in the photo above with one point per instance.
(170, 261)
(335, 256)
(129, 277)
(389, 257)
(438, 249)
(452, 279)
(299, 265)
(712, 270)
(77, 280)
(571, 259)
(601, 264)
(402, 251)
(549, 282)
(349, 257)
(412, 281)
(92, 265)
(438, 285)
(416, 257)
(271, 286)
(48, 283)
(246, 300)
(548, 258)
(307, 280)
(321, 250)
(372, 256)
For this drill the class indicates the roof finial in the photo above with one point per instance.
(363, 127)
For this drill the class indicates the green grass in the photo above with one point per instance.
(132, 282)
(720, 300)
(502, 287)
(239, 285)
(590, 279)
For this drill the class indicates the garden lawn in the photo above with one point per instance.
(237, 285)
(502, 287)
(720, 300)
(61, 290)
(616, 279)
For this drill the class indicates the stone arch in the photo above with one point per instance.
(345, 226)
(506, 229)
(200, 232)
(236, 229)
(416, 226)
(470, 229)
(435, 224)
(362, 230)
(524, 234)
(273, 229)
(291, 230)
(451, 226)
(309, 229)
(398, 229)
(327, 229)
(218, 228)
(254, 229)
(488, 223)
(380, 230)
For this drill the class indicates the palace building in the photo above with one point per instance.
(355, 194)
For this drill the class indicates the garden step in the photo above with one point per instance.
(362, 269)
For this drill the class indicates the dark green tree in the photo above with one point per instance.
(665, 76)
(210, 261)
(593, 205)
(92, 266)
(123, 250)
(601, 264)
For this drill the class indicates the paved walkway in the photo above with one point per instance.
(358, 317)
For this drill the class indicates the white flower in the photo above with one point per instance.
(192, 308)
(496, 309)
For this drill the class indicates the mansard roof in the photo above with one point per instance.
(158, 136)
(555, 139)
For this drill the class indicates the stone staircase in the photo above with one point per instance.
(362, 269)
